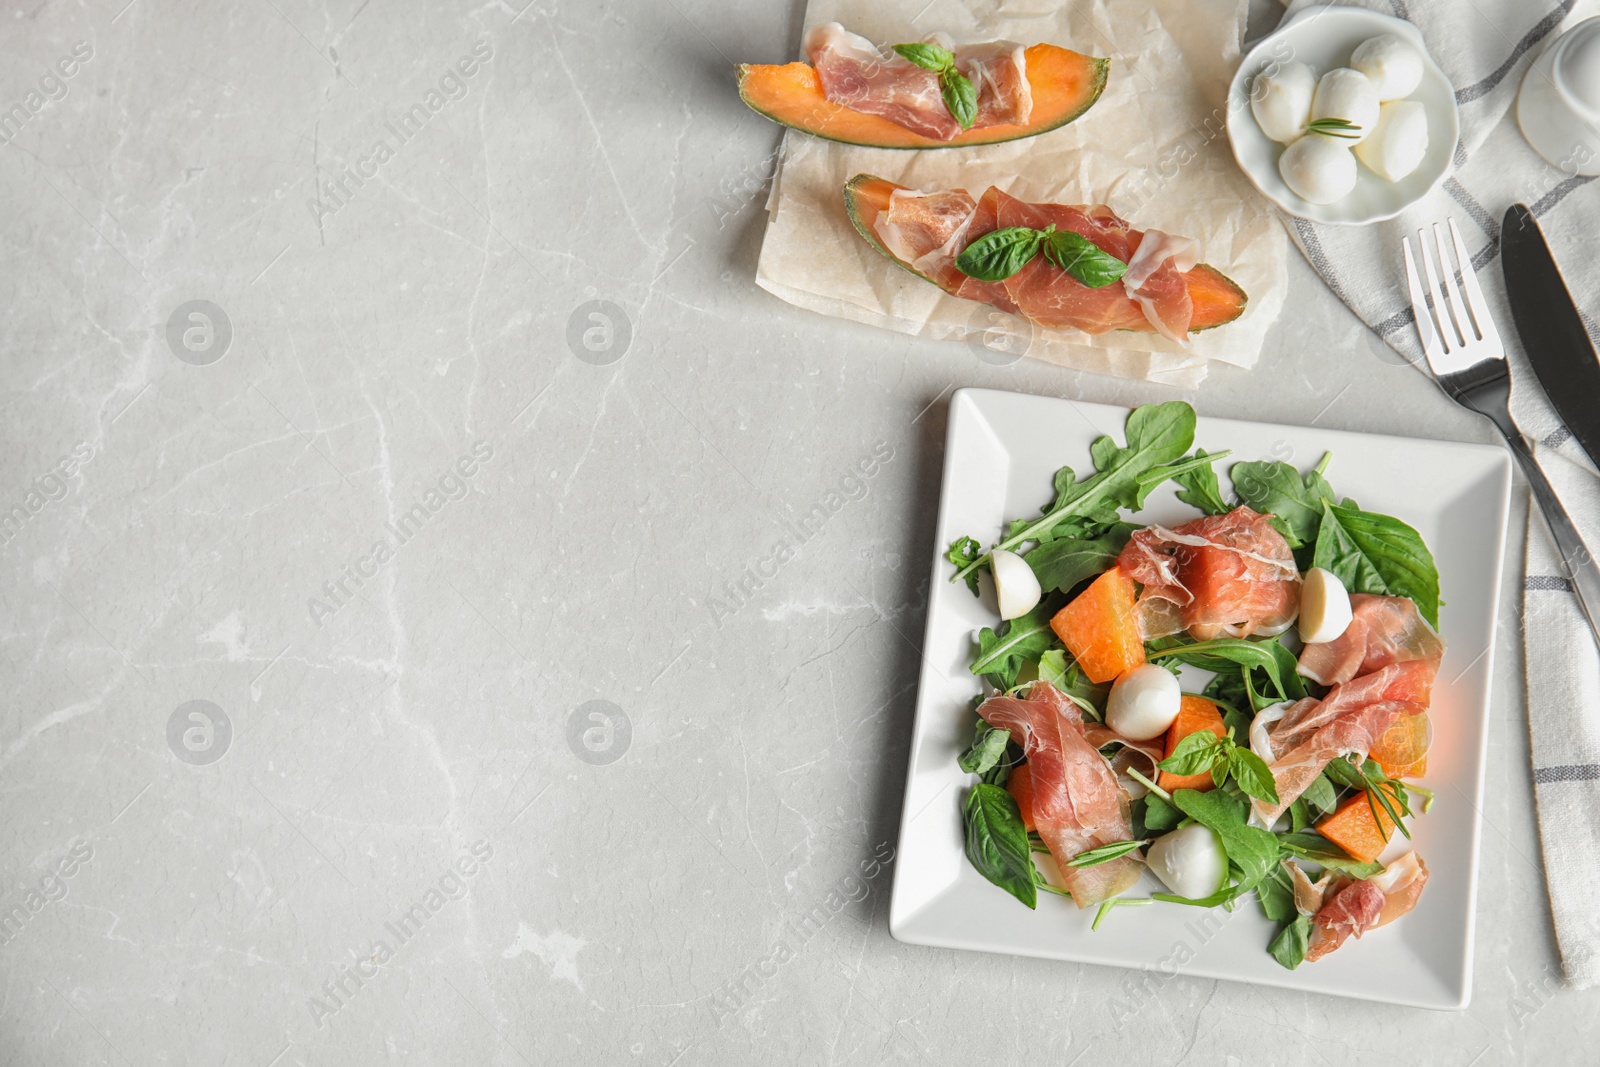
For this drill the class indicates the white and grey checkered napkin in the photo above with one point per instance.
(1486, 48)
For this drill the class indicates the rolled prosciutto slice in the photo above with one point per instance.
(1350, 719)
(1357, 907)
(1384, 630)
(1077, 804)
(928, 231)
(1228, 574)
(857, 74)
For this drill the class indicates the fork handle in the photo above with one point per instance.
(1582, 573)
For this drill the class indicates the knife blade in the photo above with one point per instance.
(1552, 331)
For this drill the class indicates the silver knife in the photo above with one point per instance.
(1558, 345)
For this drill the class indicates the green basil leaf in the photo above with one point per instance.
(1379, 554)
(988, 746)
(1001, 656)
(1289, 947)
(1221, 896)
(1276, 894)
(1252, 852)
(1083, 259)
(927, 56)
(999, 254)
(960, 96)
(1105, 853)
(1253, 775)
(997, 845)
(1278, 489)
(1063, 563)
(1195, 754)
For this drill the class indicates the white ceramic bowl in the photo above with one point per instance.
(1323, 37)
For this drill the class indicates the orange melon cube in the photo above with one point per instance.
(1101, 628)
(1194, 714)
(1353, 828)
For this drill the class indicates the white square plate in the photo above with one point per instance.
(1000, 454)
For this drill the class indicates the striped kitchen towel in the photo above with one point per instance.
(1485, 47)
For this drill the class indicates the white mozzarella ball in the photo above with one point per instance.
(1350, 95)
(1190, 861)
(1393, 64)
(1280, 99)
(1318, 169)
(1397, 146)
(1324, 607)
(1143, 702)
(1016, 587)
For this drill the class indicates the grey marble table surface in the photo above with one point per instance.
(369, 692)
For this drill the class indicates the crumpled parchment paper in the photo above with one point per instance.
(1155, 149)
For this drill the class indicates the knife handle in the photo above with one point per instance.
(1579, 564)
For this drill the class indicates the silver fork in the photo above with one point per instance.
(1466, 356)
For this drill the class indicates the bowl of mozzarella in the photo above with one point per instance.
(1340, 116)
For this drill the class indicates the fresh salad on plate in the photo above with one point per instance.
(1237, 703)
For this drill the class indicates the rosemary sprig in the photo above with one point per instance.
(1343, 129)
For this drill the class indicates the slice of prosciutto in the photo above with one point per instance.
(1349, 720)
(1228, 574)
(857, 74)
(1077, 804)
(929, 230)
(1384, 630)
(1357, 907)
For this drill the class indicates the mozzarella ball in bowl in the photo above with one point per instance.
(1347, 94)
(1399, 143)
(1318, 169)
(1392, 63)
(1280, 99)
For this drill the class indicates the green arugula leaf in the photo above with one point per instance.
(1160, 815)
(1105, 853)
(1083, 259)
(1063, 563)
(927, 56)
(997, 845)
(1200, 488)
(1222, 896)
(999, 254)
(1024, 641)
(1054, 668)
(1320, 796)
(1219, 654)
(1320, 850)
(1252, 774)
(964, 552)
(1277, 489)
(1252, 852)
(1373, 553)
(960, 96)
(1157, 434)
(1289, 947)
(986, 750)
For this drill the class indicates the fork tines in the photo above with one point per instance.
(1453, 318)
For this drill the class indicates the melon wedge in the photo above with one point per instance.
(1217, 299)
(1065, 84)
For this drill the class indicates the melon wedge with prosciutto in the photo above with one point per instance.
(856, 93)
(1164, 290)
